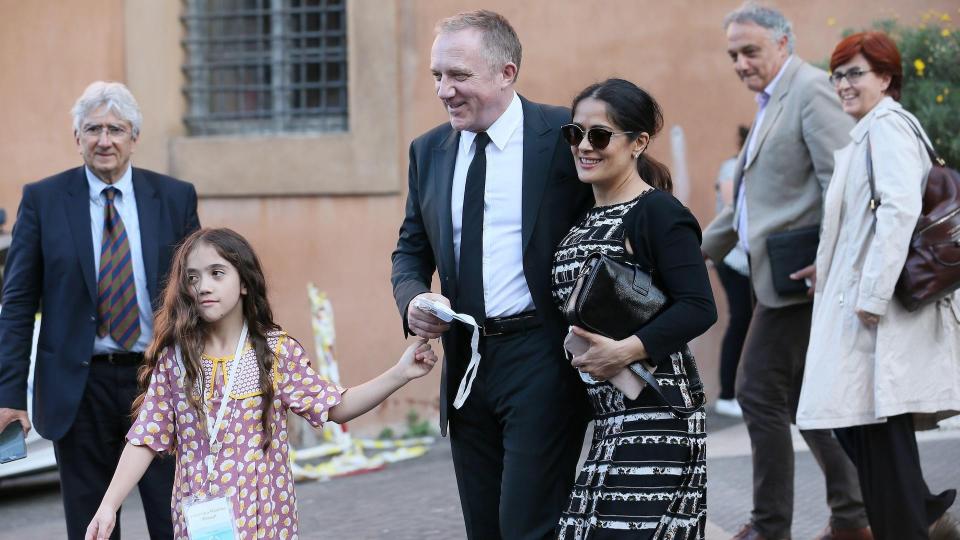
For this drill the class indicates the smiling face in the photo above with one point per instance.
(215, 285)
(757, 57)
(473, 94)
(615, 162)
(106, 154)
(860, 97)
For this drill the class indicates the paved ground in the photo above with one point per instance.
(418, 499)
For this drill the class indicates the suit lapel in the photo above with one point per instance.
(738, 175)
(774, 107)
(536, 164)
(77, 209)
(148, 214)
(444, 159)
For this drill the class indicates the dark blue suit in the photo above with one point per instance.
(50, 265)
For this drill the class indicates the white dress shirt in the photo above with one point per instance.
(505, 290)
(741, 223)
(126, 204)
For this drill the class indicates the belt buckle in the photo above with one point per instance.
(488, 333)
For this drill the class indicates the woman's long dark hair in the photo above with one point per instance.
(178, 319)
(633, 110)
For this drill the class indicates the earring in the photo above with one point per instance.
(636, 155)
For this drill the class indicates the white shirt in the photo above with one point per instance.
(741, 224)
(126, 204)
(505, 290)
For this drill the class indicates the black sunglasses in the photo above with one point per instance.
(598, 137)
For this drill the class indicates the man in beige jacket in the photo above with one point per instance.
(778, 185)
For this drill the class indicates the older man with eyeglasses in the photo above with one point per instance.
(91, 247)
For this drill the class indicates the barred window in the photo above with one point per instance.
(265, 66)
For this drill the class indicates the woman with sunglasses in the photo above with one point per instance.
(875, 372)
(645, 474)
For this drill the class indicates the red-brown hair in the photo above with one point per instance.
(881, 53)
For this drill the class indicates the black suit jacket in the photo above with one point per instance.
(50, 261)
(553, 198)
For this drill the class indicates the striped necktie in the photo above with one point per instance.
(117, 310)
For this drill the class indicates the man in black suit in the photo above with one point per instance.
(491, 194)
(91, 247)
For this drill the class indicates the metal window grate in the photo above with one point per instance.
(265, 66)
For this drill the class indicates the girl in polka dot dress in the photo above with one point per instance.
(215, 294)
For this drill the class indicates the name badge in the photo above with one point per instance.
(210, 519)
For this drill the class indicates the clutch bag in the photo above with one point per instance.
(788, 252)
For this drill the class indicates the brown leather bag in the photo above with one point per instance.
(932, 268)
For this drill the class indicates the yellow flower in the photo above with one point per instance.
(939, 98)
(831, 21)
(919, 66)
(945, 32)
(945, 17)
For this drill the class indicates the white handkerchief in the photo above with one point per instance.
(446, 314)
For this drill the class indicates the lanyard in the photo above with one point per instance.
(214, 429)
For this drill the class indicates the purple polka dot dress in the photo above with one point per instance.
(257, 480)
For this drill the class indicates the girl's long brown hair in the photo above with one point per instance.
(178, 321)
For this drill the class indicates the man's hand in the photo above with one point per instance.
(809, 275)
(606, 357)
(424, 324)
(13, 415)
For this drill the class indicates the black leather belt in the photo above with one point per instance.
(120, 358)
(496, 326)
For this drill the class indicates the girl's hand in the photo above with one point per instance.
(417, 360)
(103, 523)
(606, 357)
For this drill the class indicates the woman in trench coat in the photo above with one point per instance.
(875, 372)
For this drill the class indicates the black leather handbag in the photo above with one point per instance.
(615, 299)
(612, 298)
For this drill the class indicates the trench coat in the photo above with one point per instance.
(910, 361)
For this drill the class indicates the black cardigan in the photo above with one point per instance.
(665, 238)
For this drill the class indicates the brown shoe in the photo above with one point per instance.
(832, 533)
(945, 528)
(748, 532)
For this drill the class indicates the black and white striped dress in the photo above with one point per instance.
(645, 474)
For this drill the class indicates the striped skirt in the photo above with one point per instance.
(646, 473)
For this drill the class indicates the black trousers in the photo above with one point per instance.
(768, 390)
(740, 309)
(898, 500)
(88, 455)
(517, 438)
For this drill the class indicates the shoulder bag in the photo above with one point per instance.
(932, 268)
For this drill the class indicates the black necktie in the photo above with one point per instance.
(470, 294)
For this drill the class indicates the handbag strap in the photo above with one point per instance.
(934, 157)
(696, 388)
(874, 201)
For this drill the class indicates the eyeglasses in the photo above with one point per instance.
(598, 137)
(852, 75)
(94, 131)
